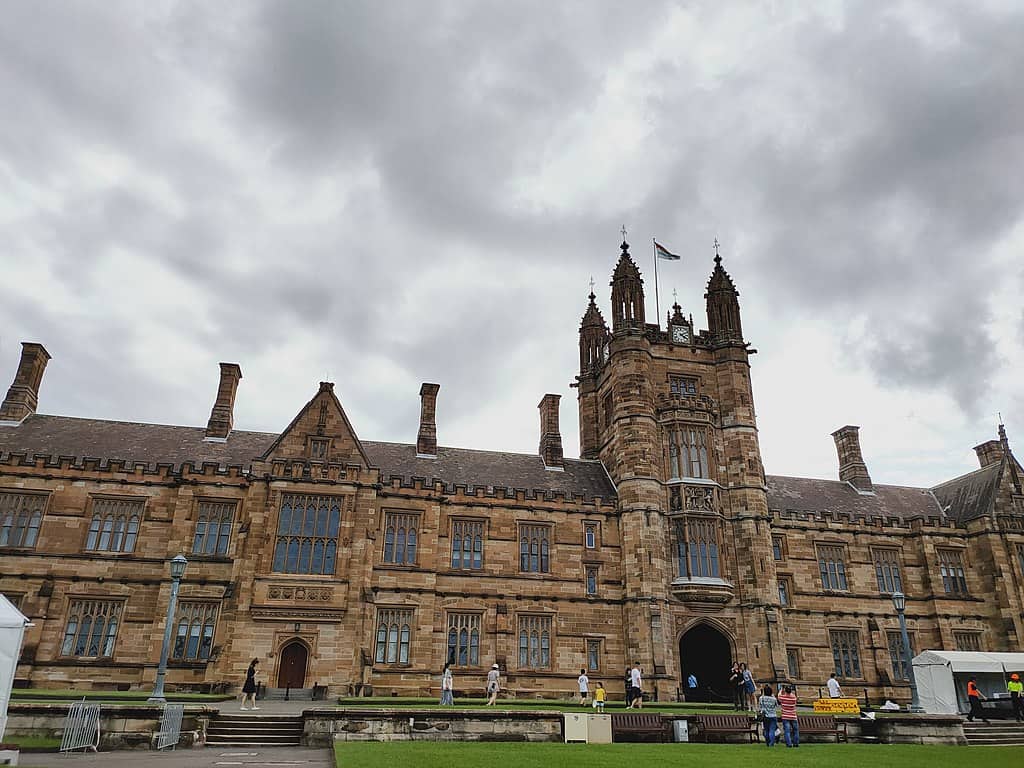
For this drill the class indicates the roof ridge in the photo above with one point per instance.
(476, 450)
(141, 423)
(979, 470)
(844, 483)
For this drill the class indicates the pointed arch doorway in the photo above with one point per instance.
(707, 653)
(292, 671)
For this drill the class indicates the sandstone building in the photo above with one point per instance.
(364, 565)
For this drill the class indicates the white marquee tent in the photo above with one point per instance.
(12, 629)
(942, 676)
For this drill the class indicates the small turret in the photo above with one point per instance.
(723, 306)
(593, 337)
(628, 314)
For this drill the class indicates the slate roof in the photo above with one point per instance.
(972, 495)
(154, 444)
(805, 494)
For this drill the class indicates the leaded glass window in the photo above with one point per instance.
(784, 592)
(467, 544)
(887, 570)
(535, 642)
(535, 548)
(777, 547)
(793, 662)
(21, 515)
(951, 566)
(593, 655)
(401, 531)
(899, 665)
(115, 525)
(213, 528)
(307, 534)
(845, 653)
(832, 566)
(591, 577)
(394, 632)
(91, 628)
(464, 639)
(697, 547)
(682, 385)
(688, 452)
(193, 636)
(590, 535)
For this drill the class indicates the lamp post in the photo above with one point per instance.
(899, 602)
(177, 572)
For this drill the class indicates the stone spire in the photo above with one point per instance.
(723, 305)
(628, 314)
(593, 336)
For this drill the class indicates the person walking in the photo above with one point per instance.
(739, 690)
(599, 697)
(691, 687)
(249, 687)
(493, 684)
(790, 726)
(834, 689)
(584, 685)
(974, 697)
(1016, 690)
(768, 709)
(637, 683)
(447, 686)
(629, 688)
(750, 686)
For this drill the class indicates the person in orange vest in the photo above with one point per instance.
(974, 696)
(1016, 689)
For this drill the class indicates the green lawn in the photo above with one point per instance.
(478, 755)
(57, 695)
(34, 742)
(557, 705)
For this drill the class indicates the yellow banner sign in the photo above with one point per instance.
(837, 706)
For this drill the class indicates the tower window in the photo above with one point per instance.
(608, 409)
(682, 385)
(688, 452)
(590, 535)
(591, 573)
(697, 547)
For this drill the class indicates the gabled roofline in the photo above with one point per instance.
(329, 388)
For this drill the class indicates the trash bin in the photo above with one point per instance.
(575, 727)
(599, 729)
(680, 730)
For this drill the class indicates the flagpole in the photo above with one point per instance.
(657, 304)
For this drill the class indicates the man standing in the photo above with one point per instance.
(738, 687)
(1016, 689)
(691, 687)
(584, 683)
(790, 728)
(834, 691)
(636, 683)
(974, 696)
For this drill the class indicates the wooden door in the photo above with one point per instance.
(292, 672)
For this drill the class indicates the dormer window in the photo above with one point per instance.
(318, 448)
(685, 386)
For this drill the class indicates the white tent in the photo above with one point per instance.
(942, 676)
(12, 628)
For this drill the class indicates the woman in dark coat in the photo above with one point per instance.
(249, 688)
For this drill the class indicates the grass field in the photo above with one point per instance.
(557, 705)
(477, 755)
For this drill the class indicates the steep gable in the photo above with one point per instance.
(322, 418)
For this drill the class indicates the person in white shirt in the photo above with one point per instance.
(834, 691)
(584, 683)
(636, 682)
(447, 686)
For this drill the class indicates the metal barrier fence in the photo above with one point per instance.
(170, 726)
(82, 727)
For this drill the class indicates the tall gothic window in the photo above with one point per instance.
(793, 662)
(401, 534)
(464, 639)
(887, 570)
(114, 526)
(832, 566)
(535, 642)
(213, 528)
(845, 653)
(394, 633)
(593, 655)
(688, 452)
(951, 566)
(534, 548)
(193, 639)
(467, 544)
(91, 628)
(307, 534)
(21, 515)
(697, 547)
(899, 664)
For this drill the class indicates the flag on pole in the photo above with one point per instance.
(664, 253)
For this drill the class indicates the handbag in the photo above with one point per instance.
(760, 717)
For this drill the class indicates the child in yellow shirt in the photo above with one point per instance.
(599, 696)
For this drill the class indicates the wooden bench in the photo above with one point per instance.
(821, 724)
(727, 725)
(640, 725)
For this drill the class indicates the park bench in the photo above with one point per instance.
(638, 726)
(821, 724)
(727, 725)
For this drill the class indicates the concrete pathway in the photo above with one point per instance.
(211, 757)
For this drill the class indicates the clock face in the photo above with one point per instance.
(681, 334)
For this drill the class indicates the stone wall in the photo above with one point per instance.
(324, 726)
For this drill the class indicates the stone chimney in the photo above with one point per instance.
(852, 468)
(550, 437)
(222, 417)
(989, 452)
(426, 438)
(23, 396)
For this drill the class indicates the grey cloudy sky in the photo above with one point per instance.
(385, 193)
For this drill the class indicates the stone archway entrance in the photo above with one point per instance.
(707, 653)
(292, 671)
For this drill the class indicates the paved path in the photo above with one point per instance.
(211, 757)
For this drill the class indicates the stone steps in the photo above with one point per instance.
(998, 732)
(245, 730)
(293, 694)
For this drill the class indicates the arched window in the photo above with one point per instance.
(195, 622)
(394, 635)
(535, 642)
(696, 547)
(405, 527)
(534, 548)
(115, 525)
(91, 628)
(307, 534)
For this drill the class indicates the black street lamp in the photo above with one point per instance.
(177, 572)
(899, 602)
